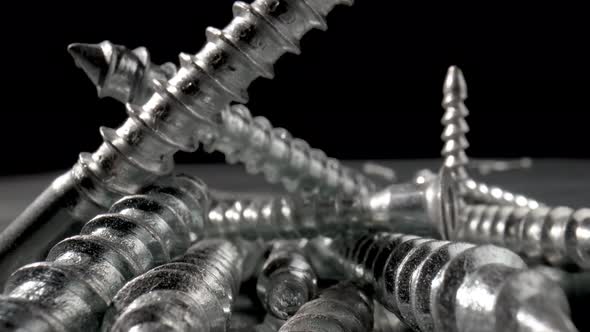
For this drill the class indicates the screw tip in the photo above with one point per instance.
(93, 59)
(455, 83)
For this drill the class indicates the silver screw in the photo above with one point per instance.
(194, 293)
(280, 157)
(340, 308)
(429, 208)
(453, 152)
(117, 72)
(72, 288)
(560, 235)
(287, 280)
(430, 285)
(141, 150)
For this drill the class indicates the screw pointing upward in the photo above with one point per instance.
(455, 144)
(117, 72)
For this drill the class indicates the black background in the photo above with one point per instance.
(369, 87)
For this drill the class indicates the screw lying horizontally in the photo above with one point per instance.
(194, 293)
(453, 152)
(449, 286)
(340, 308)
(287, 280)
(280, 157)
(559, 235)
(262, 148)
(141, 150)
(429, 208)
(117, 72)
(71, 290)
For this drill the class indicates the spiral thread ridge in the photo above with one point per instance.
(455, 126)
(559, 235)
(72, 289)
(424, 281)
(194, 293)
(141, 150)
(340, 308)
(282, 158)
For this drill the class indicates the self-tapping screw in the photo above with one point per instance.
(558, 235)
(455, 144)
(72, 289)
(141, 150)
(430, 284)
(194, 293)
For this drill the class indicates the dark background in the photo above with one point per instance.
(370, 87)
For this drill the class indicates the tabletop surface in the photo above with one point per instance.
(552, 181)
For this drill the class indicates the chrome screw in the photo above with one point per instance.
(287, 280)
(429, 208)
(430, 285)
(73, 287)
(194, 293)
(280, 157)
(560, 235)
(455, 143)
(117, 72)
(340, 308)
(141, 150)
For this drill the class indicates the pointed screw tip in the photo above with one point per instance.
(455, 83)
(93, 59)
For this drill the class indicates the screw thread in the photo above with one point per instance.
(478, 192)
(430, 284)
(72, 288)
(340, 308)
(282, 158)
(118, 72)
(141, 150)
(557, 234)
(287, 280)
(455, 126)
(194, 293)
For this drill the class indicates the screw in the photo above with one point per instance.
(141, 150)
(560, 235)
(280, 157)
(340, 308)
(287, 280)
(428, 208)
(451, 286)
(194, 293)
(117, 72)
(453, 152)
(72, 288)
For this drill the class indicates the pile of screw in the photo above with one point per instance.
(343, 251)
